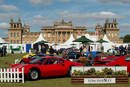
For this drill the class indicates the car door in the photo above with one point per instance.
(61, 67)
(47, 68)
(52, 68)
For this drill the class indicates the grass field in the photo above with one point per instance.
(50, 82)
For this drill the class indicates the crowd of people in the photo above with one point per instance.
(45, 49)
(119, 50)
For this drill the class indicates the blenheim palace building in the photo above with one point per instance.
(60, 32)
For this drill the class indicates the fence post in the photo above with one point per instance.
(22, 75)
(14, 74)
(4, 75)
(17, 75)
(11, 75)
(8, 75)
(1, 75)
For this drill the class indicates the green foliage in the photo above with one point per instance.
(77, 72)
(106, 72)
(91, 71)
(123, 72)
(126, 39)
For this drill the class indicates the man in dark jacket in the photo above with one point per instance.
(51, 50)
(43, 50)
(4, 50)
(1, 53)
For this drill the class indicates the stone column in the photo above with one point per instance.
(57, 37)
(51, 37)
(65, 36)
(54, 37)
(62, 37)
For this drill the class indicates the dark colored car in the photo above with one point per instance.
(73, 56)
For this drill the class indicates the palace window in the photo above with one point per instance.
(10, 41)
(17, 41)
(18, 26)
(14, 25)
(17, 34)
(11, 34)
(14, 34)
(14, 41)
(111, 26)
(64, 33)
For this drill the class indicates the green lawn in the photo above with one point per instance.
(51, 82)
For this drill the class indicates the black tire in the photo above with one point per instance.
(34, 74)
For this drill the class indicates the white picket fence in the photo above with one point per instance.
(11, 75)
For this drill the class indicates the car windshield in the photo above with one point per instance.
(37, 60)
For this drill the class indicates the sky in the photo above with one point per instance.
(89, 13)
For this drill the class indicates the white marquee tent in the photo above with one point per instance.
(107, 45)
(40, 38)
(70, 42)
(2, 41)
(106, 39)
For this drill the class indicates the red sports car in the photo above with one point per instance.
(98, 61)
(121, 61)
(47, 66)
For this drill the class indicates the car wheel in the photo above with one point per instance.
(33, 74)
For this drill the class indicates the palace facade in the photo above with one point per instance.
(60, 32)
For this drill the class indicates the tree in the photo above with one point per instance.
(126, 39)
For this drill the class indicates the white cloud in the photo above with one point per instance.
(38, 17)
(124, 29)
(45, 2)
(1, 1)
(84, 16)
(89, 19)
(114, 1)
(64, 1)
(4, 25)
(41, 20)
(7, 16)
(8, 7)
